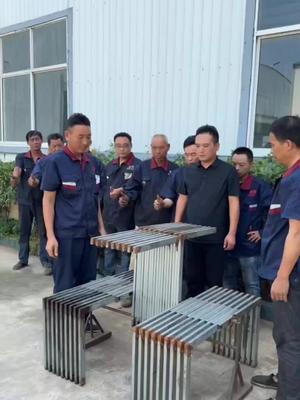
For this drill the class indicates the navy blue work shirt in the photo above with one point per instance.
(285, 205)
(255, 200)
(170, 189)
(147, 181)
(77, 184)
(25, 193)
(117, 175)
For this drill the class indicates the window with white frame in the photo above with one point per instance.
(277, 68)
(33, 78)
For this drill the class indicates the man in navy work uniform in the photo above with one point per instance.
(281, 258)
(115, 217)
(71, 185)
(29, 201)
(148, 179)
(55, 143)
(169, 193)
(255, 199)
(209, 195)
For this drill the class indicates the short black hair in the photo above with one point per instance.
(32, 133)
(77, 119)
(244, 150)
(211, 130)
(54, 136)
(287, 128)
(123, 134)
(189, 141)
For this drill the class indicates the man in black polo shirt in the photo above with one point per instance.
(209, 195)
(30, 201)
(115, 217)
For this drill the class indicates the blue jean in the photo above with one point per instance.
(247, 269)
(112, 265)
(115, 261)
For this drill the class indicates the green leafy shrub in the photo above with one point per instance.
(268, 169)
(105, 156)
(9, 227)
(179, 160)
(7, 193)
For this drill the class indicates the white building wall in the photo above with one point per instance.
(151, 66)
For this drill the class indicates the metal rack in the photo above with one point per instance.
(68, 316)
(224, 340)
(163, 345)
(158, 259)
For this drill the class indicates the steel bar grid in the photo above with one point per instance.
(65, 320)
(158, 251)
(224, 340)
(163, 345)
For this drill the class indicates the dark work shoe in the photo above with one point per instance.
(265, 381)
(48, 271)
(19, 265)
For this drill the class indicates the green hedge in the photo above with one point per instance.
(7, 193)
(268, 169)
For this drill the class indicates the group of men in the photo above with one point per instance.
(255, 234)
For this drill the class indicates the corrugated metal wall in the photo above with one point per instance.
(149, 66)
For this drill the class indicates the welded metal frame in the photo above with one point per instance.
(163, 345)
(158, 251)
(66, 315)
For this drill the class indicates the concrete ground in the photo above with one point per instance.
(22, 376)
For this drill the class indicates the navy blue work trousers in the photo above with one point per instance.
(204, 265)
(76, 263)
(26, 215)
(286, 333)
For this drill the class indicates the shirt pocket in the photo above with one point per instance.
(70, 185)
(252, 208)
(250, 202)
(94, 181)
(28, 168)
(128, 173)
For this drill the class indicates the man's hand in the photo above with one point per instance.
(280, 289)
(15, 177)
(33, 181)
(254, 236)
(123, 200)
(229, 242)
(115, 193)
(52, 247)
(14, 181)
(158, 203)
